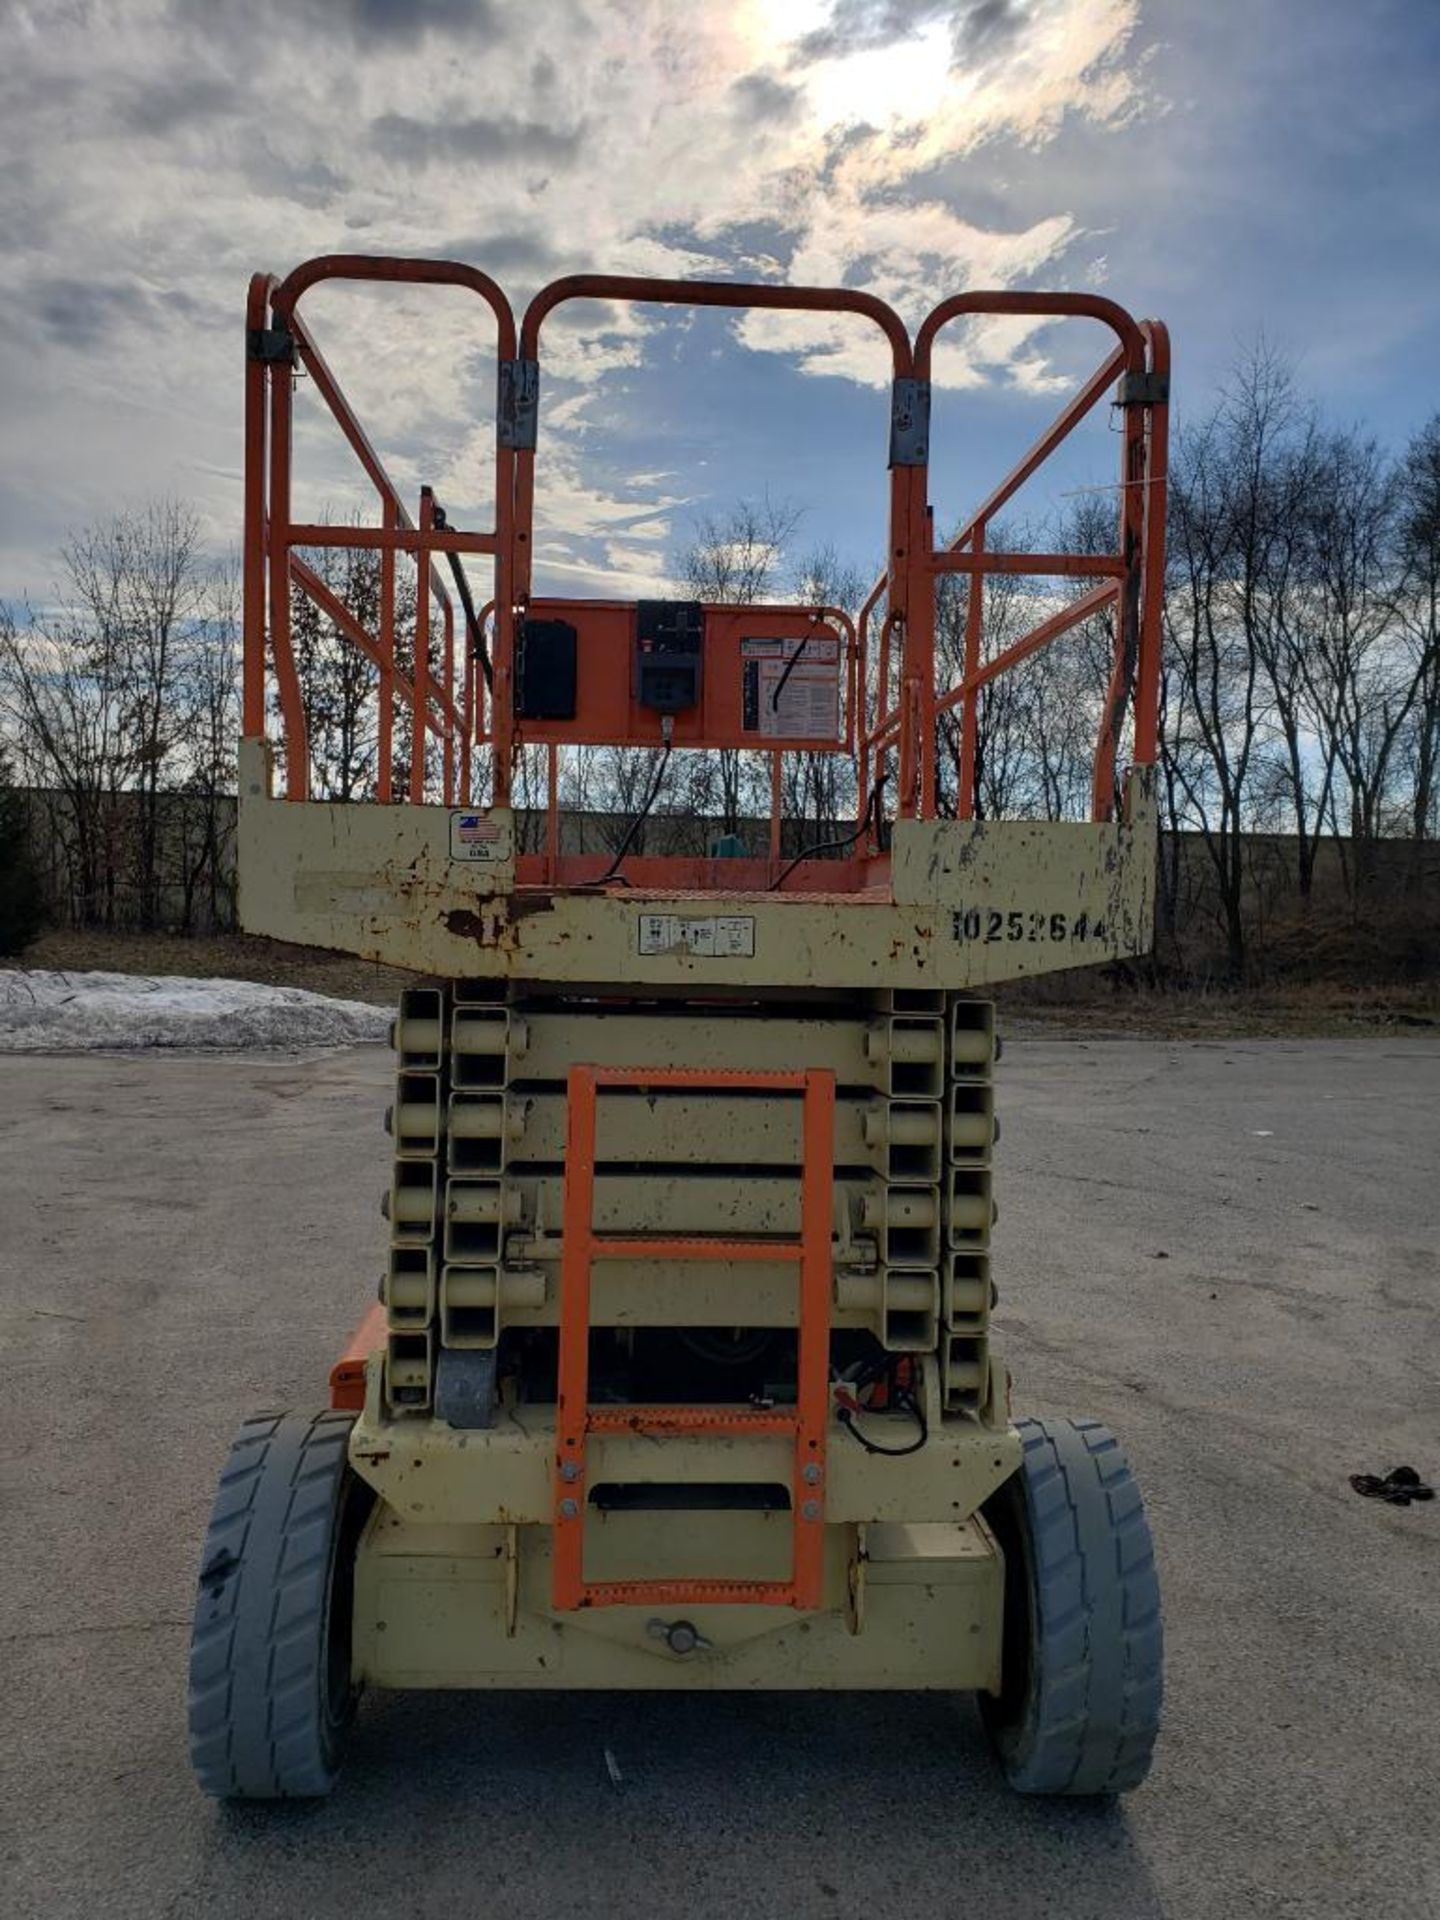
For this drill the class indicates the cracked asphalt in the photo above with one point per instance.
(1227, 1250)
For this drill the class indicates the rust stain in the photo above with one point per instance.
(496, 922)
(521, 906)
(468, 925)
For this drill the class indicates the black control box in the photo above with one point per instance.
(545, 671)
(669, 654)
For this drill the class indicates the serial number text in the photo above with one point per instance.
(990, 924)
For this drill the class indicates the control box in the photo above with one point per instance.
(669, 654)
(545, 671)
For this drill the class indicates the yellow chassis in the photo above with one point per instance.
(970, 902)
(453, 1571)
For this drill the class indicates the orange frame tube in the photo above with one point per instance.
(270, 536)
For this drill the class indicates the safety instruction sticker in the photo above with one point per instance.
(481, 836)
(790, 689)
(726, 936)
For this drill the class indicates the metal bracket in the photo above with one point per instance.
(1143, 390)
(519, 406)
(679, 1635)
(465, 1387)
(275, 346)
(512, 1580)
(909, 423)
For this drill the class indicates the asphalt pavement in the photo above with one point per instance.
(1229, 1251)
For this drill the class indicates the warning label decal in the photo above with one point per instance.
(791, 688)
(728, 936)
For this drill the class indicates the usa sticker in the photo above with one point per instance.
(485, 837)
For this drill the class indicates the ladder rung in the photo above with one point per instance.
(690, 1246)
(690, 1420)
(688, 1593)
(804, 1424)
(718, 1079)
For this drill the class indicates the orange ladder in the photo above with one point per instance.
(576, 1419)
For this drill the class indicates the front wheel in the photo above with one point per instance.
(271, 1693)
(1079, 1705)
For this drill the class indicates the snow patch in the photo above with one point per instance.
(48, 1012)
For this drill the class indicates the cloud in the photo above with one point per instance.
(84, 314)
(736, 140)
(503, 252)
(365, 24)
(858, 26)
(478, 141)
(978, 30)
(393, 20)
(156, 108)
(760, 96)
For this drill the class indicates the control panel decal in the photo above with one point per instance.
(726, 936)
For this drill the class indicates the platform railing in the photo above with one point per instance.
(893, 710)
(278, 343)
(1130, 581)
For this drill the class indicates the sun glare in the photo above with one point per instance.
(909, 81)
(879, 85)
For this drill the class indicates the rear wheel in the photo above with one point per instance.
(1079, 1707)
(271, 1693)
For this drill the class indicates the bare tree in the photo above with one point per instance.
(21, 904)
(1031, 750)
(1211, 594)
(209, 702)
(101, 697)
(62, 699)
(1417, 617)
(138, 583)
(1365, 693)
(735, 558)
(1277, 499)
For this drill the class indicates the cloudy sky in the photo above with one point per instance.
(1229, 165)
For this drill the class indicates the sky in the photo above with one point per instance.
(1230, 166)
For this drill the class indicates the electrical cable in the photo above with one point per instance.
(644, 813)
(900, 1399)
(872, 812)
(472, 620)
(789, 669)
(478, 647)
(847, 1421)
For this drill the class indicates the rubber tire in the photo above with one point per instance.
(271, 1694)
(1079, 1709)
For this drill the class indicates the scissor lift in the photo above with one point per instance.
(681, 1373)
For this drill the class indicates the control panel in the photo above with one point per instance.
(593, 672)
(669, 654)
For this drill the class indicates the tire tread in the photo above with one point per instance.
(259, 1642)
(1093, 1711)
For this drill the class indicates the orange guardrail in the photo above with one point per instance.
(891, 706)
